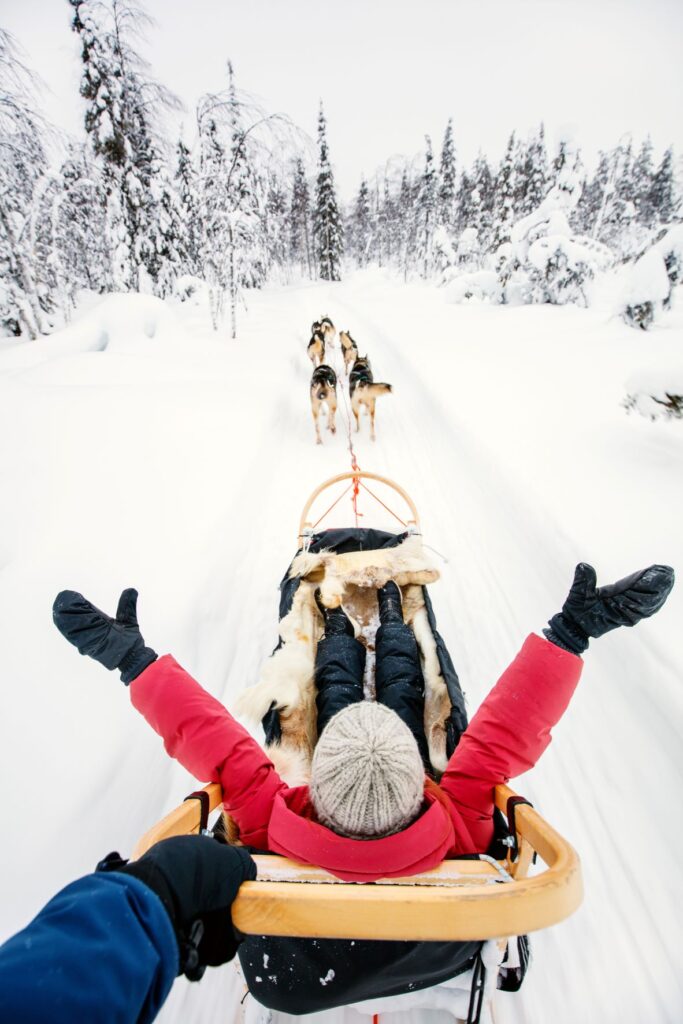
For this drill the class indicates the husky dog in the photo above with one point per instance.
(323, 389)
(361, 372)
(364, 391)
(349, 349)
(316, 348)
(325, 327)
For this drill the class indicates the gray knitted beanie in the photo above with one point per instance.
(367, 777)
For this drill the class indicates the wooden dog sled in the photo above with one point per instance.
(478, 898)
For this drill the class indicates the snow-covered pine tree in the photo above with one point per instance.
(300, 220)
(446, 191)
(624, 177)
(328, 234)
(122, 106)
(613, 191)
(504, 196)
(167, 231)
(587, 212)
(388, 228)
(187, 191)
(275, 225)
(23, 167)
(564, 153)
(642, 185)
(45, 254)
(407, 223)
(81, 224)
(531, 174)
(360, 235)
(662, 192)
(482, 197)
(425, 214)
(102, 88)
(464, 204)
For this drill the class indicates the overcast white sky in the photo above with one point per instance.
(390, 71)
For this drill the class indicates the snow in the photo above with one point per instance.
(672, 242)
(139, 448)
(647, 280)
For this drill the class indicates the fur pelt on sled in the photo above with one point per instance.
(287, 680)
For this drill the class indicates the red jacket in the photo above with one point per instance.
(507, 736)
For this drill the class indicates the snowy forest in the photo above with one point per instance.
(248, 199)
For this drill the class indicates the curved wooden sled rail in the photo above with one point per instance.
(459, 900)
(358, 475)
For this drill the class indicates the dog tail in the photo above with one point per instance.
(379, 388)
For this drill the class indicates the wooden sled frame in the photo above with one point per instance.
(460, 900)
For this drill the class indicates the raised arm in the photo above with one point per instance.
(196, 729)
(510, 731)
(512, 727)
(200, 733)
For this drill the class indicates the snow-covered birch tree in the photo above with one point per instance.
(23, 165)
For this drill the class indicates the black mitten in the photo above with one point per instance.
(115, 643)
(592, 611)
(197, 880)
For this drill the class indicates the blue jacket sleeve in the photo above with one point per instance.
(102, 950)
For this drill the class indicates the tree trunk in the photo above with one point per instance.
(232, 286)
(308, 247)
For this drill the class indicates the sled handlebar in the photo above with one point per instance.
(460, 900)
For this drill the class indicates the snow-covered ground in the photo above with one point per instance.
(140, 449)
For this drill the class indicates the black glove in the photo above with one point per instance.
(115, 643)
(591, 611)
(197, 879)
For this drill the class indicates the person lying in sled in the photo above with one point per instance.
(370, 811)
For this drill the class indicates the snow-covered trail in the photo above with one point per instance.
(498, 542)
(179, 462)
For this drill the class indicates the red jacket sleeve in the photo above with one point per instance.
(510, 730)
(200, 733)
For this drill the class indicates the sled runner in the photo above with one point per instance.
(472, 898)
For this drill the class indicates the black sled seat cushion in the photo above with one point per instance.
(309, 975)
